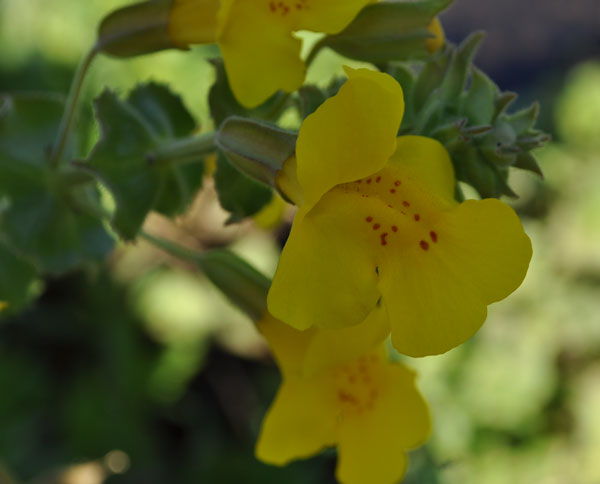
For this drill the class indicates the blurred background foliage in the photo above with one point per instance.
(140, 372)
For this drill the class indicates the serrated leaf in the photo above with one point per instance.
(239, 194)
(387, 31)
(40, 215)
(223, 103)
(170, 119)
(132, 132)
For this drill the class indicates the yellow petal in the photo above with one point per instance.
(193, 22)
(328, 16)
(426, 163)
(437, 289)
(259, 52)
(287, 344)
(372, 445)
(351, 135)
(300, 422)
(326, 274)
(330, 347)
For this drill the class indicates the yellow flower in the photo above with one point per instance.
(256, 39)
(368, 407)
(378, 226)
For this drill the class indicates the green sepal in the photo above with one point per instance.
(224, 104)
(310, 98)
(386, 31)
(239, 194)
(478, 102)
(459, 69)
(137, 155)
(40, 214)
(526, 161)
(243, 285)
(137, 29)
(258, 149)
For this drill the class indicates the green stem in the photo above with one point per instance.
(171, 248)
(184, 150)
(69, 113)
(243, 285)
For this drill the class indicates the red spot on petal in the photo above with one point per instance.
(405, 203)
(378, 179)
(369, 180)
(390, 206)
(433, 236)
(359, 181)
(376, 226)
(397, 183)
(394, 228)
(346, 397)
(383, 236)
(393, 190)
(424, 245)
(417, 217)
(272, 6)
(369, 219)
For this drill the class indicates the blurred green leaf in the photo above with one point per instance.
(41, 215)
(16, 279)
(239, 194)
(127, 161)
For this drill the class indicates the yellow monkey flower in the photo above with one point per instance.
(368, 407)
(256, 38)
(378, 227)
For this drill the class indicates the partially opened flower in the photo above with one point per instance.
(368, 407)
(256, 38)
(378, 226)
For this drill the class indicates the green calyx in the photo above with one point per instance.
(457, 104)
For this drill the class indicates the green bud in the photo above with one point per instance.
(257, 149)
(141, 28)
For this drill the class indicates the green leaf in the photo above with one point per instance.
(170, 119)
(223, 103)
(311, 97)
(40, 212)
(387, 31)
(17, 280)
(131, 159)
(239, 194)
(430, 78)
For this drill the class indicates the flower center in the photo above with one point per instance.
(358, 385)
(403, 213)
